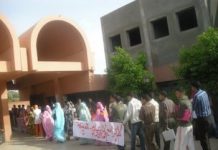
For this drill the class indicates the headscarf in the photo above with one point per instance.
(100, 106)
(101, 113)
(48, 108)
(84, 113)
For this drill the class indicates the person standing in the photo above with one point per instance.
(101, 115)
(59, 122)
(183, 111)
(37, 121)
(156, 122)
(118, 111)
(48, 122)
(92, 108)
(147, 115)
(84, 115)
(201, 114)
(166, 115)
(30, 121)
(15, 114)
(132, 114)
(112, 104)
(79, 101)
(69, 111)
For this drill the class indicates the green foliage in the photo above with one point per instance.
(199, 62)
(13, 95)
(127, 74)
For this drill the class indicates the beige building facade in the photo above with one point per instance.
(52, 59)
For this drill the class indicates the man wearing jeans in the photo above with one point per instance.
(132, 114)
(201, 115)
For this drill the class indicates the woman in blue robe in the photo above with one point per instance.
(59, 121)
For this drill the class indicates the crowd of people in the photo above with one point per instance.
(188, 117)
(143, 119)
(56, 122)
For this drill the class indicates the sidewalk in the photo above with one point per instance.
(26, 142)
(213, 142)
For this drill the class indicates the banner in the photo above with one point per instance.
(103, 131)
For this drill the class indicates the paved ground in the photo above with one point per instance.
(25, 142)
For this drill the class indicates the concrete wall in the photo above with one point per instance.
(46, 45)
(119, 22)
(10, 51)
(5, 123)
(59, 60)
(68, 84)
(163, 51)
(213, 10)
(10, 67)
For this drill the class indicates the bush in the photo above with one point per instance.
(127, 74)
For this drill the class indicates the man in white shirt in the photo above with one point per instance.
(132, 114)
(156, 119)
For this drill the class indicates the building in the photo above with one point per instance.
(160, 28)
(51, 59)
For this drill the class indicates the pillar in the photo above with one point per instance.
(57, 89)
(4, 112)
(205, 14)
(146, 36)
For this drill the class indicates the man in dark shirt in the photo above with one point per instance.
(15, 115)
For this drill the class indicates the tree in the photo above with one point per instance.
(127, 74)
(13, 95)
(199, 62)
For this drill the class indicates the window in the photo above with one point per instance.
(187, 19)
(134, 37)
(160, 28)
(115, 42)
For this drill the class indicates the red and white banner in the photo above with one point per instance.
(103, 131)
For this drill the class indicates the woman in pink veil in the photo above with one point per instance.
(101, 115)
(48, 122)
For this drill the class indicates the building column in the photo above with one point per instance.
(146, 35)
(58, 94)
(206, 15)
(4, 111)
